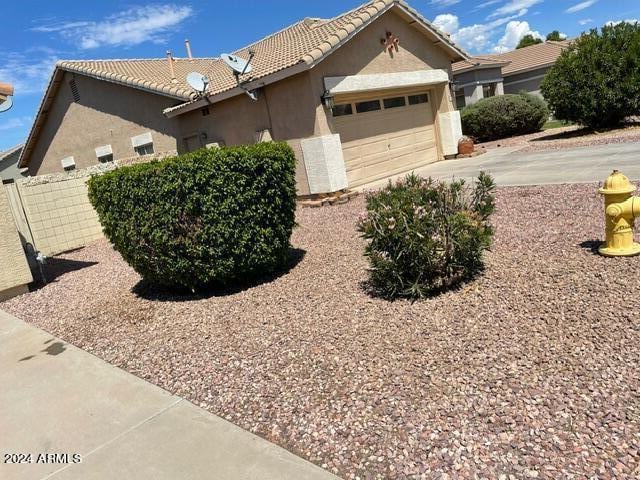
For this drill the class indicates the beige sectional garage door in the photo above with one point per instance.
(385, 136)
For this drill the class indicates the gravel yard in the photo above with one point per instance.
(531, 371)
(567, 137)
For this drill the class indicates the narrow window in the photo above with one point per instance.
(146, 149)
(417, 99)
(461, 101)
(394, 102)
(489, 90)
(104, 154)
(341, 110)
(368, 106)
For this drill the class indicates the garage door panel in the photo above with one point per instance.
(385, 143)
(368, 175)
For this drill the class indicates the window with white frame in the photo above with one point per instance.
(104, 154)
(143, 144)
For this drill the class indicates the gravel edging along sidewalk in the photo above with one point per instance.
(530, 371)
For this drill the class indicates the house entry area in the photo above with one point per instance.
(386, 134)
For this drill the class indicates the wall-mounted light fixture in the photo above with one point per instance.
(327, 99)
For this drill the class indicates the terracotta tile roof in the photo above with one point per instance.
(530, 58)
(307, 41)
(474, 62)
(303, 44)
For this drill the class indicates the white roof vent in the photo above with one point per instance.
(68, 163)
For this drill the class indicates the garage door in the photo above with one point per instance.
(385, 137)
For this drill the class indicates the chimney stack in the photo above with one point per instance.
(188, 45)
(171, 70)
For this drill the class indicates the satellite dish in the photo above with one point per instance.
(6, 105)
(197, 81)
(240, 66)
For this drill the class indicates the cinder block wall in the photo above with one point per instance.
(58, 210)
(14, 269)
(60, 215)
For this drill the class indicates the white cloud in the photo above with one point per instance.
(487, 4)
(127, 28)
(444, 3)
(472, 37)
(515, 7)
(28, 74)
(580, 6)
(585, 21)
(513, 33)
(612, 23)
(447, 23)
(15, 123)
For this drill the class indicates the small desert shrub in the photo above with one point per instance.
(211, 217)
(426, 236)
(504, 116)
(596, 81)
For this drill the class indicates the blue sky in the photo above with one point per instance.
(37, 33)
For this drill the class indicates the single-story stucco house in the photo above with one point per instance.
(361, 98)
(511, 72)
(9, 170)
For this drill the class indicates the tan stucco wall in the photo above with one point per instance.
(14, 269)
(106, 114)
(233, 122)
(364, 55)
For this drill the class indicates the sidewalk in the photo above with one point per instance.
(58, 399)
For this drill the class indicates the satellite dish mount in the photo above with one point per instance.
(239, 67)
(198, 82)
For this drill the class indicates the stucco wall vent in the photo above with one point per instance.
(75, 93)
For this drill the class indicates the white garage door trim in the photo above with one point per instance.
(383, 81)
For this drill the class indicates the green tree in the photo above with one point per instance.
(528, 40)
(596, 81)
(554, 36)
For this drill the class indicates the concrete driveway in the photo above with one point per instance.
(578, 165)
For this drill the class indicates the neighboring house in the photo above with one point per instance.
(518, 70)
(476, 78)
(360, 98)
(9, 170)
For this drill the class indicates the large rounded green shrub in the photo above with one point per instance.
(504, 116)
(596, 81)
(426, 236)
(214, 217)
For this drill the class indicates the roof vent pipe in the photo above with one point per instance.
(171, 70)
(188, 45)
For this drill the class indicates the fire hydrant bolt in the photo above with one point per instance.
(621, 209)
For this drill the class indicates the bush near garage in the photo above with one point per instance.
(504, 116)
(213, 217)
(596, 81)
(426, 236)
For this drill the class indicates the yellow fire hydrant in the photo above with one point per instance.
(621, 209)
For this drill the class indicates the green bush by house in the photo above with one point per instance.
(213, 217)
(596, 81)
(504, 116)
(424, 237)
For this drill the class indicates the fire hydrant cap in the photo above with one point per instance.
(617, 183)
